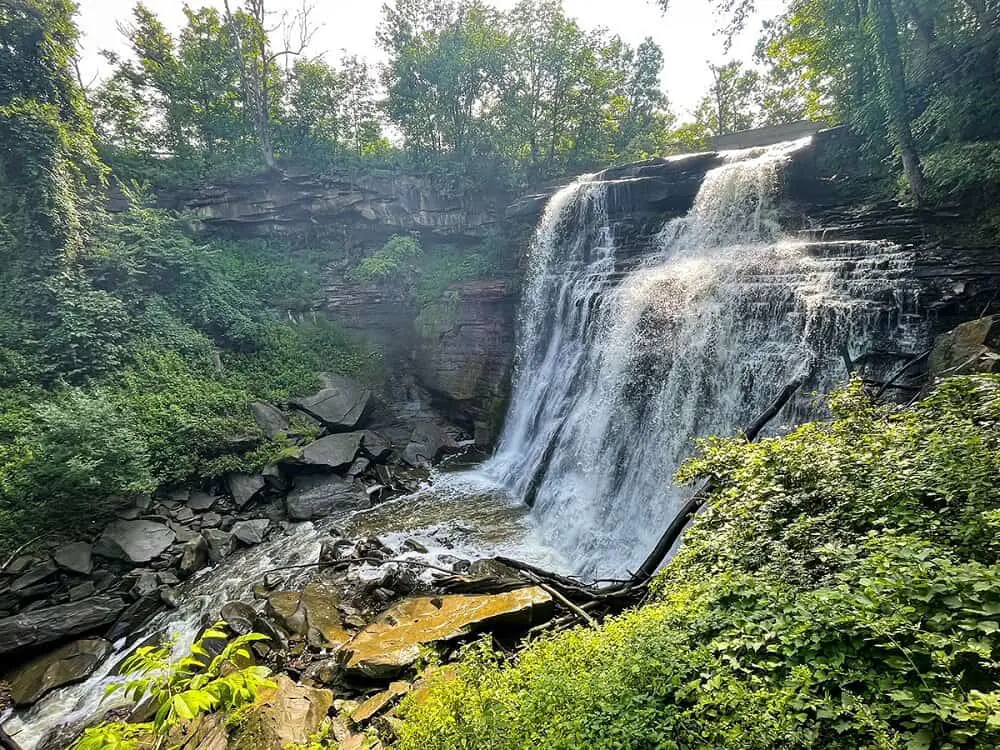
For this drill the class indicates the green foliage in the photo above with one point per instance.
(969, 172)
(395, 260)
(841, 590)
(182, 690)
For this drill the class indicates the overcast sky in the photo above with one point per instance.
(686, 32)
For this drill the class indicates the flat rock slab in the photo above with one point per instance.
(341, 405)
(379, 702)
(77, 557)
(251, 532)
(34, 575)
(392, 643)
(64, 666)
(245, 487)
(315, 497)
(333, 453)
(312, 611)
(269, 418)
(137, 541)
(41, 626)
(201, 501)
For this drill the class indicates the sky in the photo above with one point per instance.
(686, 33)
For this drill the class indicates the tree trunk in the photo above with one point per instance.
(893, 80)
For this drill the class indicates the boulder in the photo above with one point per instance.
(136, 541)
(245, 487)
(972, 347)
(312, 612)
(195, 556)
(287, 714)
(34, 575)
(64, 666)
(145, 585)
(393, 642)
(269, 418)
(340, 406)
(379, 702)
(332, 453)
(201, 501)
(317, 496)
(41, 626)
(251, 532)
(220, 544)
(76, 557)
(210, 520)
(377, 447)
(135, 616)
(428, 442)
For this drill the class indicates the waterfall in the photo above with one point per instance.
(616, 377)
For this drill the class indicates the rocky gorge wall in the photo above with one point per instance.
(458, 358)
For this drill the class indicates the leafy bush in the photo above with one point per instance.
(181, 691)
(841, 590)
(395, 260)
(965, 171)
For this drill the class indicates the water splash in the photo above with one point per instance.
(615, 382)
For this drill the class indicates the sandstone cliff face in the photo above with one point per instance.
(458, 354)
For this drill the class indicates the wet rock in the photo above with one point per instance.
(245, 487)
(145, 585)
(313, 612)
(373, 547)
(392, 643)
(285, 715)
(331, 453)
(34, 576)
(220, 544)
(359, 467)
(376, 446)
(972, 347)
(414, 546)
(169, 598)
(166, 578)
(20, 564)
(76, 557)
(50, 624)
(240, 616)
(334, 550)
(340, 406)
(428, 442)
(272, 580)
(379, 702)
(315, 497)
(136, 541)
(288, 611)
(82, 591)
(251, 532)
(269, 418)
(135, 616)
(64, 666)
(201, 501)
(195, 556)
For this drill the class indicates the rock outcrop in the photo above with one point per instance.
(71, 663)
(317, 496)
(972, 347)
(136, 541)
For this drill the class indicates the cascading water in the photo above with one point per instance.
(614, 383)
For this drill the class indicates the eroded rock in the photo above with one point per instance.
(64, 666)
(285, 715)
(76, 557)
(317, 496)
(392, 643)
(340, 406)
(136, 541)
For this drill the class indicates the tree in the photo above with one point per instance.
(733, 102)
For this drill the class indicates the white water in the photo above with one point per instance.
(614, 383)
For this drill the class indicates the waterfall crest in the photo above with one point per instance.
(616, 377)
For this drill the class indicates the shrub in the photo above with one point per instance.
(395, 260)
(841, 590)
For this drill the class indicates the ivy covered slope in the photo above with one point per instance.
(136, 366)
(842, 591)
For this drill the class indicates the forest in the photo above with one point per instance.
(843, 589)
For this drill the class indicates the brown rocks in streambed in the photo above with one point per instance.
(51, 624)
(195, 555)
(315, 497)
(64, 666)
(972, 347)
(312, 613)
(392, 643)
(287, 714)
